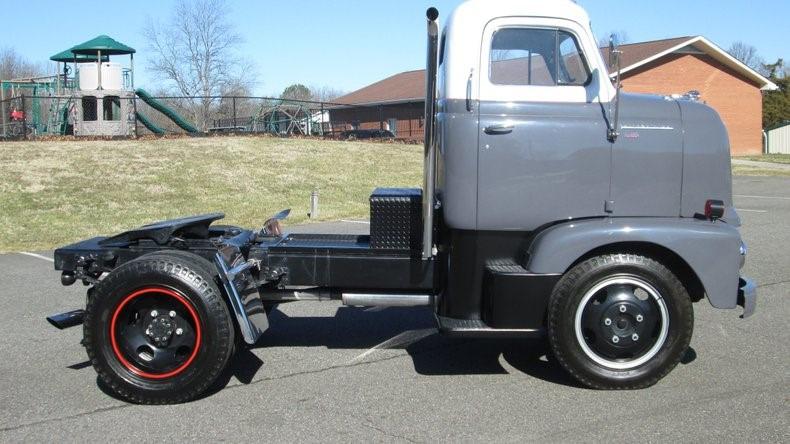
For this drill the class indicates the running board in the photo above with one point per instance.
(475, 328)
(68, 319)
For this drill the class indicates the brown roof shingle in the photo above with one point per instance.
(409, 85)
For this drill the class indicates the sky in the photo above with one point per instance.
(348, 44)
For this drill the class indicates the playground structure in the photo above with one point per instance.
(89, 96)
(92, 95)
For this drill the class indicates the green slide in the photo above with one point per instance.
(164, 109)
(150, 125)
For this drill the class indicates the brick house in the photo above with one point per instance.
(670, 66)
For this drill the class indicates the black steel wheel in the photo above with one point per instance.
(619, 321)
(157, 329)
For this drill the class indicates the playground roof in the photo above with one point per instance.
(68, 57)
(103, 43)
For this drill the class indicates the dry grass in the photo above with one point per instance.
(772, 158)
(56, 192)
(748, 170)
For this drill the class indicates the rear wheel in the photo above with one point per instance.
(157, 329)
(620, 321)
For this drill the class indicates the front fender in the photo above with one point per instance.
(711, 249)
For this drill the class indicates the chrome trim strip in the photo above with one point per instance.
(635, 127)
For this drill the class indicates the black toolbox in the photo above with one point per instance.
(396, 219)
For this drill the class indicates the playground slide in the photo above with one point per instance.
(164, 109)
(150, 125)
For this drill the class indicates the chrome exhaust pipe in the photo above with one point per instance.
(429, 174)
(387, 300)
(68, 319)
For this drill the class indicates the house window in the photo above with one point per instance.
(112, 108)
(539, 57)
(392, 123)
(89, 109)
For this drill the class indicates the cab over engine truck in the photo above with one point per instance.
(552, 206)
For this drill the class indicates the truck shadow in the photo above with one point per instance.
(409, 329)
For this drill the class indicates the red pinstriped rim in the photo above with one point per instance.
(159, 291)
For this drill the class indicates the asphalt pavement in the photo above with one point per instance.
(325, 372)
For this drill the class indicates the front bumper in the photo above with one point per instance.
(747, 296)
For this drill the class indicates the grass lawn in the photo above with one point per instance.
(773, 158)
(53, 193)
(56, 192)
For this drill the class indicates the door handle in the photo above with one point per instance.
(499, 129)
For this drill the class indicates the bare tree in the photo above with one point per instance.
(748, 55)
(14, 66)
(619, 38)
(325, 93)
(197, 52)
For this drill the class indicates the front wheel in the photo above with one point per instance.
(157, 329)
(619, 321)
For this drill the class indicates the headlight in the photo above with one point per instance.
(743, 251)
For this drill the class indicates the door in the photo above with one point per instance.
(543, 152)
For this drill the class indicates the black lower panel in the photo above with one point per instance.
(514, 299)
(348, 262)
(483, 279)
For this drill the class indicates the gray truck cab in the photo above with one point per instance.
(553, 206)
(546, 176)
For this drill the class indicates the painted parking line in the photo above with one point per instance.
(355, 221)
(761, 197)
(48, 259)
(401, 340)
(750, 211)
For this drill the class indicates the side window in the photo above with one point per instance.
(572, 67)
(539, 57)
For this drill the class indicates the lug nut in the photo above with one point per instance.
(634, 337)
(639, 318)
(179, 331)
(607, 321)
(172, 313)
(622, 309)
(154, 313)
(615, 339)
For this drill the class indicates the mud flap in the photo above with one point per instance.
(247, 306)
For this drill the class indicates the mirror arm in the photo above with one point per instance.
(614, 128)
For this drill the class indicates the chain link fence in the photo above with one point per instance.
(102, 114)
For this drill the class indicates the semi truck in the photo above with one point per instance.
(553, 206)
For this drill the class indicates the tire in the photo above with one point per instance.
(631, 297)
(159, 293)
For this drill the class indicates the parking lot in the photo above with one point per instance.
(325, 372)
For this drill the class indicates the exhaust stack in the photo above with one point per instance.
(429, 176)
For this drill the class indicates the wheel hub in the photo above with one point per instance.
(161, 329)
(624, 319)
(155, 333)
(621, 322)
